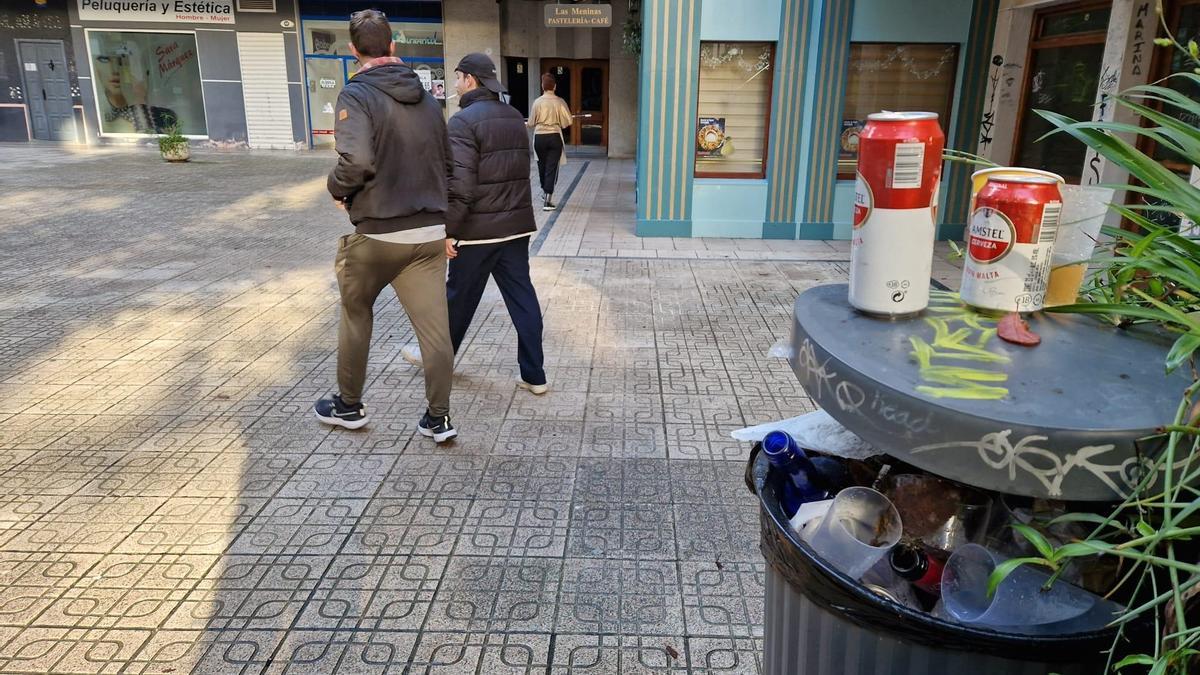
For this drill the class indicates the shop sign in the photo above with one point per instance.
(578, 16)
(158, 11)
(328, 83)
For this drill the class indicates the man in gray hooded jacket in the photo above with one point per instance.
(394, 162)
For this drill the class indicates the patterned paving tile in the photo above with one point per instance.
(625, 653)
(612, 596)
(440, 653)
(320, 651)
(509, 594)
(169, 505)
(413, 526)
(300, 526)
(250, 592)
(376, 593)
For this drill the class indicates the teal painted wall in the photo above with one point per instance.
(733, 207)
(728, 208)
(801, 196)
(667, 112)
(740, 20)
(788, 109)
(906, 21)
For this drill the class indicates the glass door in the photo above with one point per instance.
(583, 84)
(326, 77)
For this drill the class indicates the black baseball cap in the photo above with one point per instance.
(484, 70)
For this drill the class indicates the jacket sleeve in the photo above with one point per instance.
(465, 176)
(533, 113)
(353, 140)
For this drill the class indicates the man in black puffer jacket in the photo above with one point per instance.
(490, 219)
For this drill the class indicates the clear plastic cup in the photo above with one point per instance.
(1019, 600)
(859, 528)
(1083, 211)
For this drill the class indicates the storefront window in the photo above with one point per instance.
(897, 77)
(1065, 53)
(147, 82)
(329, 65)
(734, 109)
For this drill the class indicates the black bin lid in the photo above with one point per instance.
(1072, 412)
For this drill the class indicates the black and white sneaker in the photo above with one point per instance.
(437, 428)
(548, 203)
(336, 412)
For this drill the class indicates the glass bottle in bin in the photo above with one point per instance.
(919, 566)
(800, 481)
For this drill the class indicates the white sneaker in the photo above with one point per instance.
(535, 389)
(412, 354)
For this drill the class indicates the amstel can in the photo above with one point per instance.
(1009, 242)
(895, 213)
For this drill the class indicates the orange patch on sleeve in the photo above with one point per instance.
(343, 114)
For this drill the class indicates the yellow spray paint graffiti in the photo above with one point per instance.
(958, 344)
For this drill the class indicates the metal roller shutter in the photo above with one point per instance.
(265, 89)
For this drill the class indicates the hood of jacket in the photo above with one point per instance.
(396, 80)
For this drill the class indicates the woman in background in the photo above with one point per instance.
(548, 117)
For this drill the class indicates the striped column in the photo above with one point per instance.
(965, 135)
(832, 50)
(668, 89)
(787, 119)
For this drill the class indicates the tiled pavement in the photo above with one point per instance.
(168, 504)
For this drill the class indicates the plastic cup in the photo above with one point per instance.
(859, 528)
(1083, 211)
(1019, 599)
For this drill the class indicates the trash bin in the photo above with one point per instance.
(819, 621)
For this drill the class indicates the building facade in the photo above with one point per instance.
(751, 108)
(743, 115)
(267, 73)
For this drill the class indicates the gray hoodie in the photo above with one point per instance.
(394, 157)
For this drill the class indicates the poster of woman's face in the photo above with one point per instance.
(146, 83)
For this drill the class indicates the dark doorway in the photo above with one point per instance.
(516, 78)
(583, 84)
(47, 89)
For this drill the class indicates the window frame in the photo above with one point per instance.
(738, 175)
(1035, 43)
(1160, 67)
(847, 173)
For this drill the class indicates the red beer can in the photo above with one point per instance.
(1009, 243)
(895, 213)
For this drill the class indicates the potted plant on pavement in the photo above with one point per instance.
(173, 145)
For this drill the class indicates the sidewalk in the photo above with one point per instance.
(168, 503)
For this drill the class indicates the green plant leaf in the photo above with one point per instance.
(1006, 568)
(1136, 659)
(1182, 350)
(1077, 549)
(1097, 519)
(1144, 528)
(1034, 537)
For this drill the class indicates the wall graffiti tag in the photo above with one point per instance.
(1136, 53)
(988, 123)
(999, 451)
